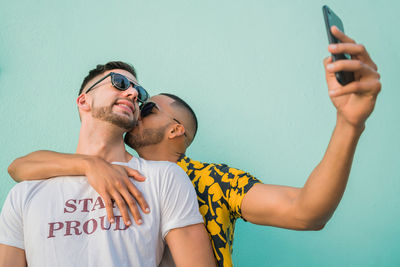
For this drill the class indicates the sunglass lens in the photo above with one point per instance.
(146, 109)
(143, 96)
(120, 82)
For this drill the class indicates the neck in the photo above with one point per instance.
(102, 139)
(159, 153)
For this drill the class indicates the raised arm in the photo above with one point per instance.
(310, 207)
(190, 246)
(110, 181)
(12, 256)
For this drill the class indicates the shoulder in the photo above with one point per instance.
(162, 169)
(26, 186)
(27, 189)
(151, 165)
(189, 165)
(22, 192)
(212, 168)
(221, 173)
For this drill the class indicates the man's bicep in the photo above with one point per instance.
(190, 246)
(272, 205)
(12, 256)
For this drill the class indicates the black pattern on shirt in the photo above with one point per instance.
(220, 191)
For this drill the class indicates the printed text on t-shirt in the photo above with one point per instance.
(74, 227)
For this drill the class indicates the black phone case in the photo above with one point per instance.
(343, 77)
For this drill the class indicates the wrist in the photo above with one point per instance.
(87, 162)
(351, 128)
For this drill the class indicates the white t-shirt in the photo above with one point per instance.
(63, 221)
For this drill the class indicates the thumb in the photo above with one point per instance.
(327, 60)
(134, 174)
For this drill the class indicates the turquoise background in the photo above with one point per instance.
(252, 70)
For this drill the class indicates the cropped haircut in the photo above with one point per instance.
(181, 103)
(112, 65)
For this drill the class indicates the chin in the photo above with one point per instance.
(134, 133)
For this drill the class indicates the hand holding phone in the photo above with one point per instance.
(331, 19)
(354, 97)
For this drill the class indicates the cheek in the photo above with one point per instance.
(102, 101)
(146, 123)
(151, 121)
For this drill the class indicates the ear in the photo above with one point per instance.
(176, 130)
(82, 102)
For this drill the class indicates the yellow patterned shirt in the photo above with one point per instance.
(220, 191)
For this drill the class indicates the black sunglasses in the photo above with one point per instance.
(122, 83)
(147, 108)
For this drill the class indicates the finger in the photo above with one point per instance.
(372, 87)
(355, 50)
(134, 174)
(139, 197)
(132, 206)
(347, 48)
(349, 65)
(109, 207)
(122, 207)
(345, 39)
(340, 35)
(327, 60)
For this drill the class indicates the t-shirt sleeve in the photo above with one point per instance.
(11, 224)
(179, 206)
(240, 183)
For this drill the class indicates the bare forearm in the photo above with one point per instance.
(12, 256)
(324, 189)
(45, 164)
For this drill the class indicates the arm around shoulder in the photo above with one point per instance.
(45, 164)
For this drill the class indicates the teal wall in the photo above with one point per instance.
(253, 72)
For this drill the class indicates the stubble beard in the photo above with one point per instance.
(106, 114)
(147, 137)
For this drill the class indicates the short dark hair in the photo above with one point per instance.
(112, 65)
(180, 102)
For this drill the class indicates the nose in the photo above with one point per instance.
(131, 93)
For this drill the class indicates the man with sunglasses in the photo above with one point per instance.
(168, 126)
(62, 221)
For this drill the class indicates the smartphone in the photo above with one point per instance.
(331, 19)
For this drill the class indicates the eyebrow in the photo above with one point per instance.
(132, 81)
(155, 106)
